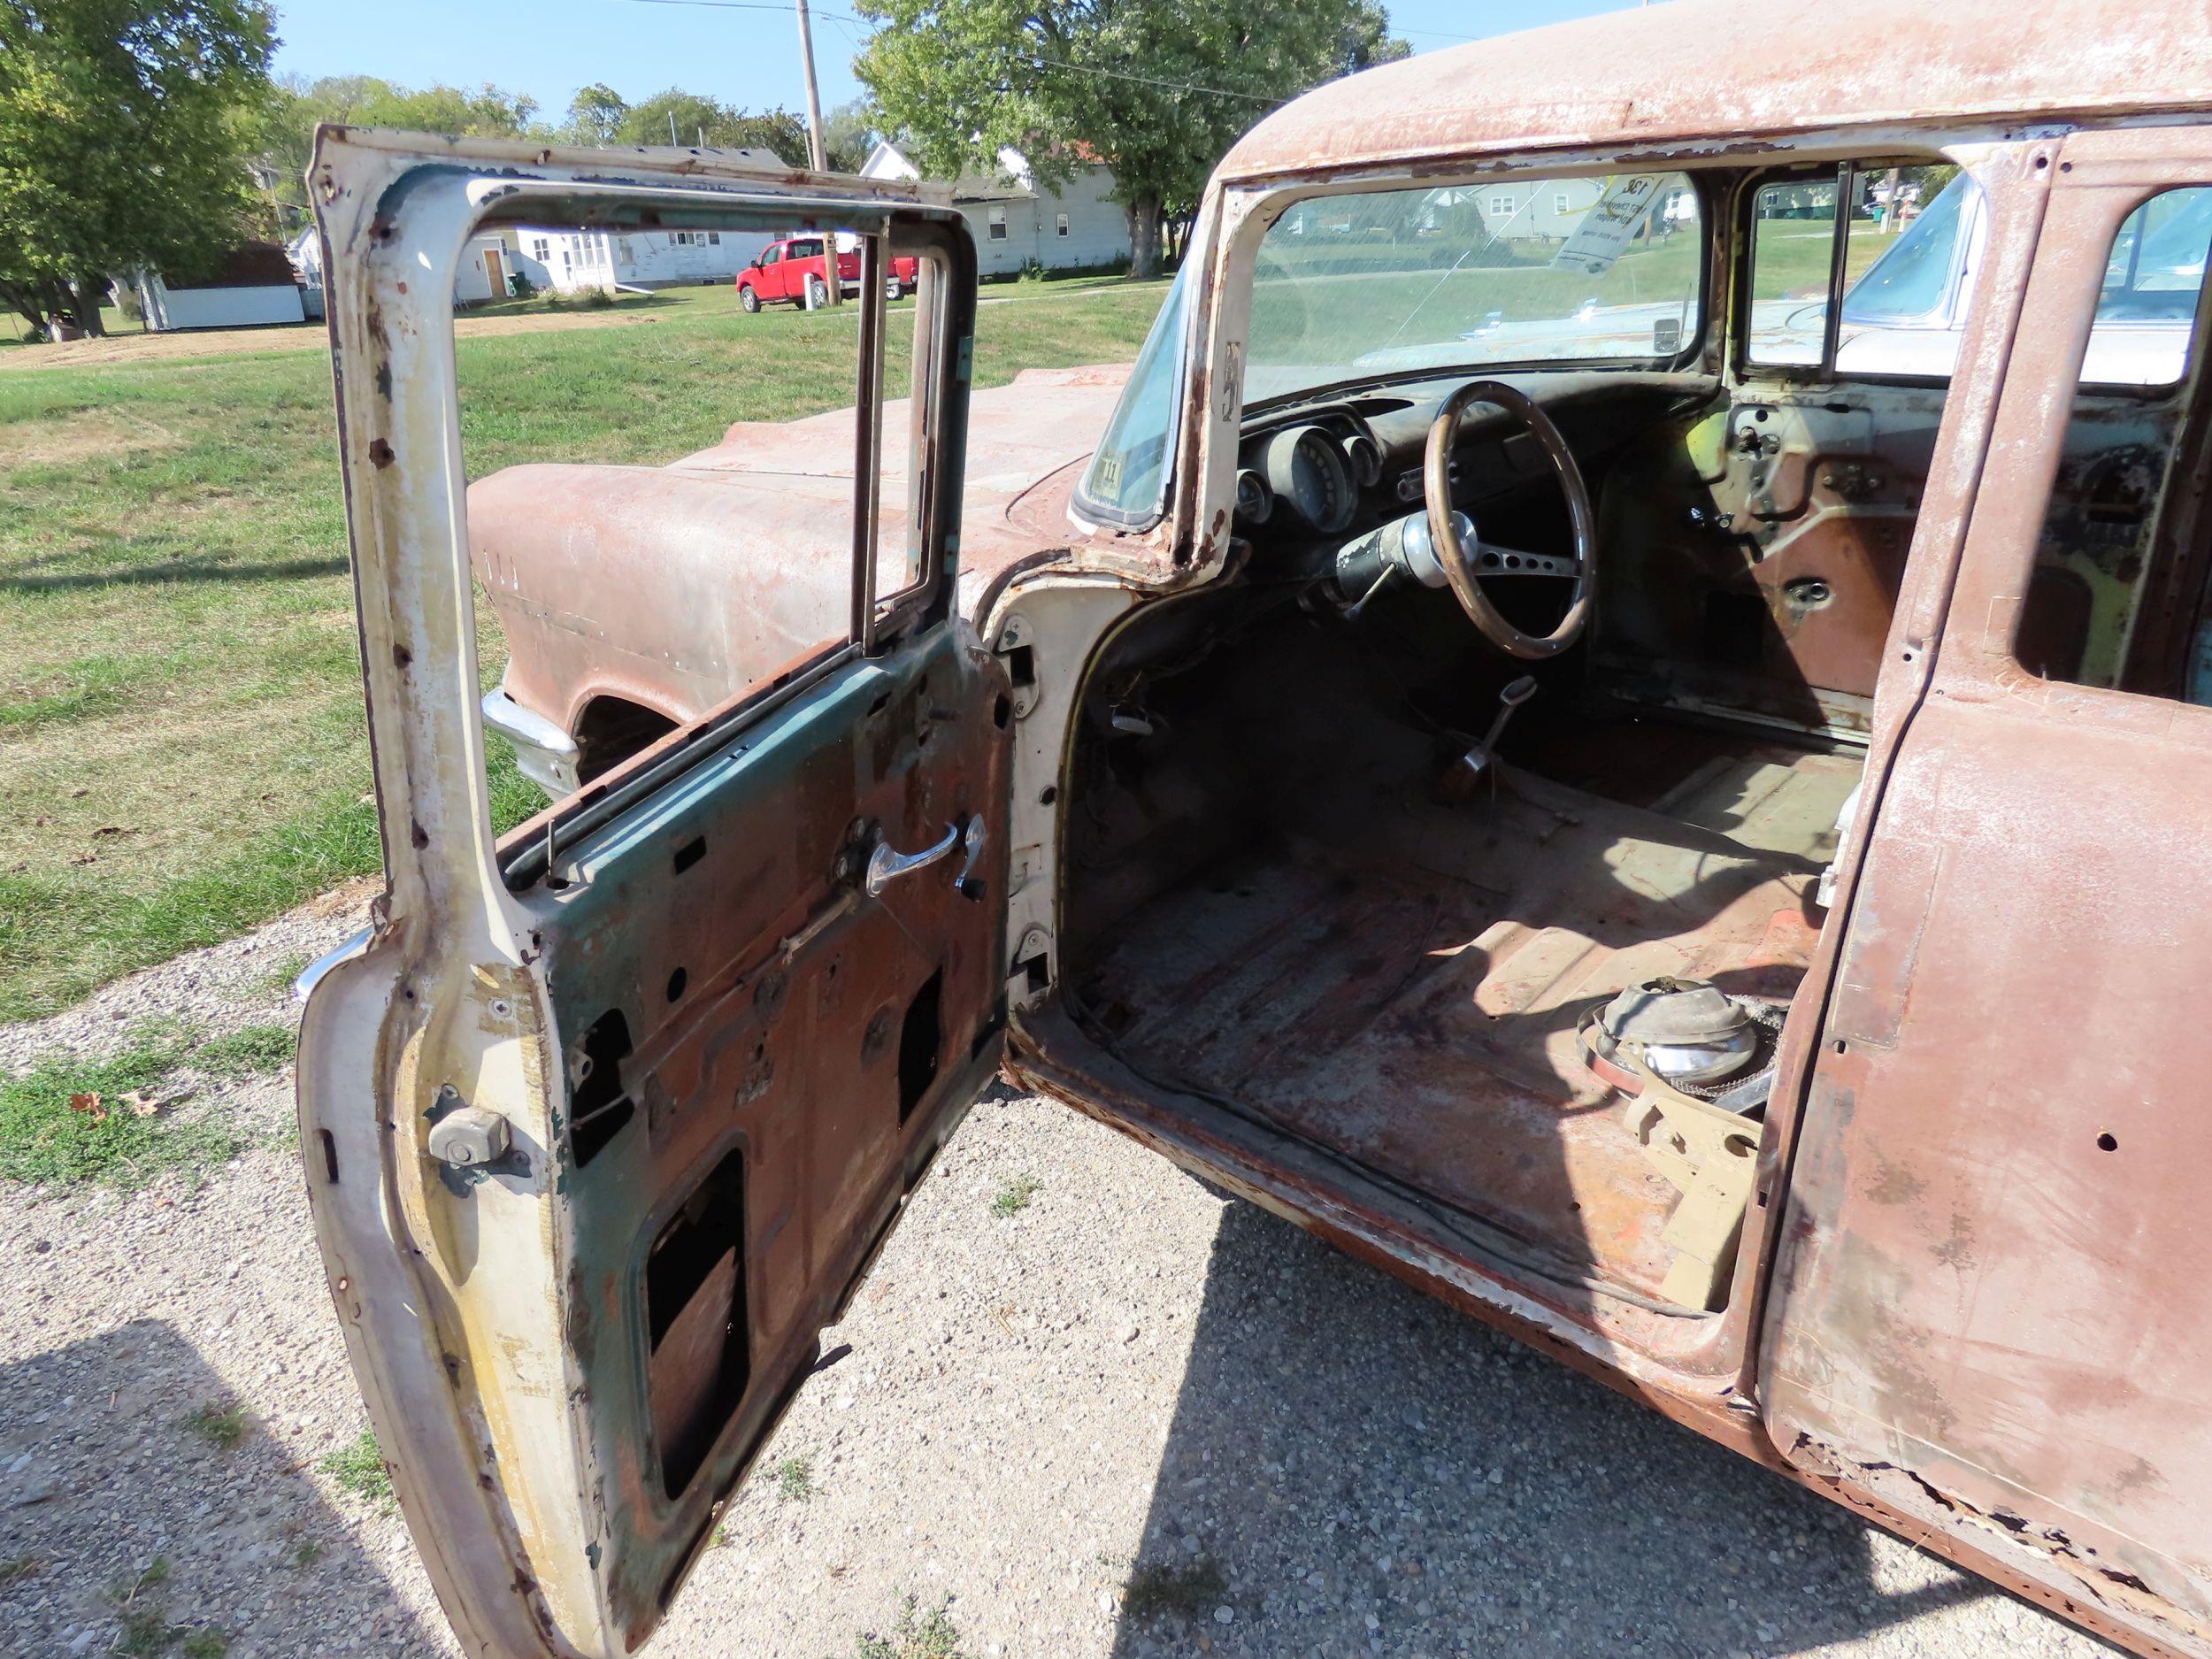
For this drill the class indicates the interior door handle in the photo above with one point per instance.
(887, 865)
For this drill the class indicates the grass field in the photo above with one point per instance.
(182, 745)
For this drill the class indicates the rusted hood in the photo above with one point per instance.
(672, 586)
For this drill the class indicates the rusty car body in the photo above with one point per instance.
(1687, 858)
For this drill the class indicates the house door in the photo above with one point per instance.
(495, 272)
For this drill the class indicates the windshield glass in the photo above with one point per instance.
(1127, 479)
(1527, 271)
(1912, 279)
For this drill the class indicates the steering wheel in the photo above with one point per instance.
(1464, 564)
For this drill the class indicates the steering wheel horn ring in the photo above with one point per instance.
(1460, 561)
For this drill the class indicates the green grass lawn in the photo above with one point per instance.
(182, 745)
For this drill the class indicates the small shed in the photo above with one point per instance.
(253, 287)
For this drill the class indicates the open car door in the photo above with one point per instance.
(604, 1122)
(1988, 1308)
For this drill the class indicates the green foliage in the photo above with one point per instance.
(1157, 89)
(204, 1644)
(1014, 1196)
(124, 130)
(358, 1467)
(795, 1480)
(68, 1120)
(18, 1567)
(917, 1635)
(594, 115)
(283, 126)
(221, 1426)
(254, 1051)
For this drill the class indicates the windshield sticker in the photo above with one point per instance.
(1610, 225)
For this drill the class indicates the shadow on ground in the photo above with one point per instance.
(101, 1477)
(1356, 1469)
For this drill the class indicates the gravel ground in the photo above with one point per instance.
(1129, 1418)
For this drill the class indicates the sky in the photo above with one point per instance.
(744, 53)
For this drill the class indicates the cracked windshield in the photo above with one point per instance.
(1530, 271)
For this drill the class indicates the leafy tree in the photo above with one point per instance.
(849, 134)
(125, 127)
(595, 114)
(699, 118)
(1157, 89)
(284, 125)
(649, 122)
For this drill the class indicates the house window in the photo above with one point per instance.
(1501, 203)
(540, 250)
(1559, 203)
(997, 224)
(714, 238)
(622, 249)
(1060, 226)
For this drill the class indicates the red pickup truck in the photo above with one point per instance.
(792, 270)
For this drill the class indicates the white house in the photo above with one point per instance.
(485, 266)
(1014, 219)
(574, 259)
(254, 287)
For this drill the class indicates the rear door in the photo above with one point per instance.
(1990, 1304)
(603, 1126)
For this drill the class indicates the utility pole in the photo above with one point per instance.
(818, 153)
(818, 150)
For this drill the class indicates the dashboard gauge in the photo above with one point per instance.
(1254, 500)
(1308, 471)
(1364, 457)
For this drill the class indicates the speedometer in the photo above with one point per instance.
(1307, 470)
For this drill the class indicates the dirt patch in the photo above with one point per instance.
(83, 437)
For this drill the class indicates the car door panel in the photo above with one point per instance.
(605, 1118)
(808, 1044)
(1987, 1303)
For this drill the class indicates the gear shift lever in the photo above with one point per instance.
(1459, 781)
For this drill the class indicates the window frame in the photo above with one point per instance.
(1060, 224)
(1695, 331)
(1744, 238)
(876, 622)
(995, 224)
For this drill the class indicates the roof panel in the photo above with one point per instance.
(1696, 69)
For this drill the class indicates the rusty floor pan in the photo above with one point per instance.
(1412, 1003)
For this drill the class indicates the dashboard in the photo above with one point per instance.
(1318, 471)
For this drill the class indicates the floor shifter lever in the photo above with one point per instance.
(1459, 781)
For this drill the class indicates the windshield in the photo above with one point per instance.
(1127, 481)
(1531, 271)
(1912, 279)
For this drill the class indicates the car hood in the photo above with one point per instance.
(597, 572)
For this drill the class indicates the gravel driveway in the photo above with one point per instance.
(1127, 1418)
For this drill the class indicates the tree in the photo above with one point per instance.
(125, 130)
(284, 125)
(1157, 89)
(849, 134)
(595, 115)
(700, 119)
